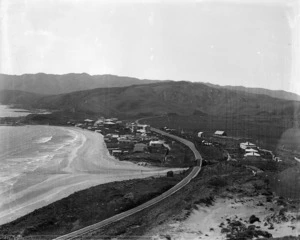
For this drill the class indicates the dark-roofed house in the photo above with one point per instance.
(139, 147)
(89, 122)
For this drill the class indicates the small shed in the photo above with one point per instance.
(220, 133)
(156, 143)
(200, 134)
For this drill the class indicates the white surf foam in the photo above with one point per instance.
(44, 140)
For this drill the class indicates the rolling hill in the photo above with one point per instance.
(183, 98)
(272, 93)
(51, 84)
(8, 97)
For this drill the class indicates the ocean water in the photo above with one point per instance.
(26, 148)
(5, 111)
(42, 164)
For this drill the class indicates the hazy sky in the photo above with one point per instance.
(250, 43)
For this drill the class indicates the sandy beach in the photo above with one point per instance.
(208, 222)
(88, 164)
(231, 214)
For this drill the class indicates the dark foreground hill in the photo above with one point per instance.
(50, 84)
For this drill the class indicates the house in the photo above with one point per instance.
(200, 134)
(157, 143)
(99, 122)
(247, 145)
(220, 133)
(111, 135)
(108, 120)
(109, 124)
(205, 143)
(249, 150)
(124, 141)
(252, 156)
(89, 122)
(116, 152)
(139, 147)
(143, 128)
(139, 128)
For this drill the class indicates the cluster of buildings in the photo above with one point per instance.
(250, 150)
(125, 139)
(217, 133)
(235, 146)
(138, 140)
(91, 124)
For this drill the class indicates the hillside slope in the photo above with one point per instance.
(51, 84)
(272, 93)
(183, 98)
(18, 97)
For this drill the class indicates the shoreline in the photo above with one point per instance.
(47, 184)
(72, 213)
(252, 194)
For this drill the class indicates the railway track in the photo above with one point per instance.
(79, 234)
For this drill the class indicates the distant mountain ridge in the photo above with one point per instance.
(52, 84)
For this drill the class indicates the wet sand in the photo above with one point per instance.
(88, 165)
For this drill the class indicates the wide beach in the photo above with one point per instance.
(81, 163)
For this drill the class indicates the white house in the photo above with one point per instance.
(99, 122)
(109, 124)
(249, 150)
(200, 134)
(251, 154)
(156, 143)
(89, 122)
(247, 145)
(143, 128)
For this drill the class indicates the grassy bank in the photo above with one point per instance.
(86, 207)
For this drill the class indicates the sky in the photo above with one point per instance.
(249, 43)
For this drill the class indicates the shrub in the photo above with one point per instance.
(218, 182)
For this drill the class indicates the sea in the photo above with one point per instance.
(6, 111)
(26, 148)
(42, 164)
(23, 149)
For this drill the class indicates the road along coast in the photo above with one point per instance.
(95, 227)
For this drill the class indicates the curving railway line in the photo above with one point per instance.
(95, 227)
